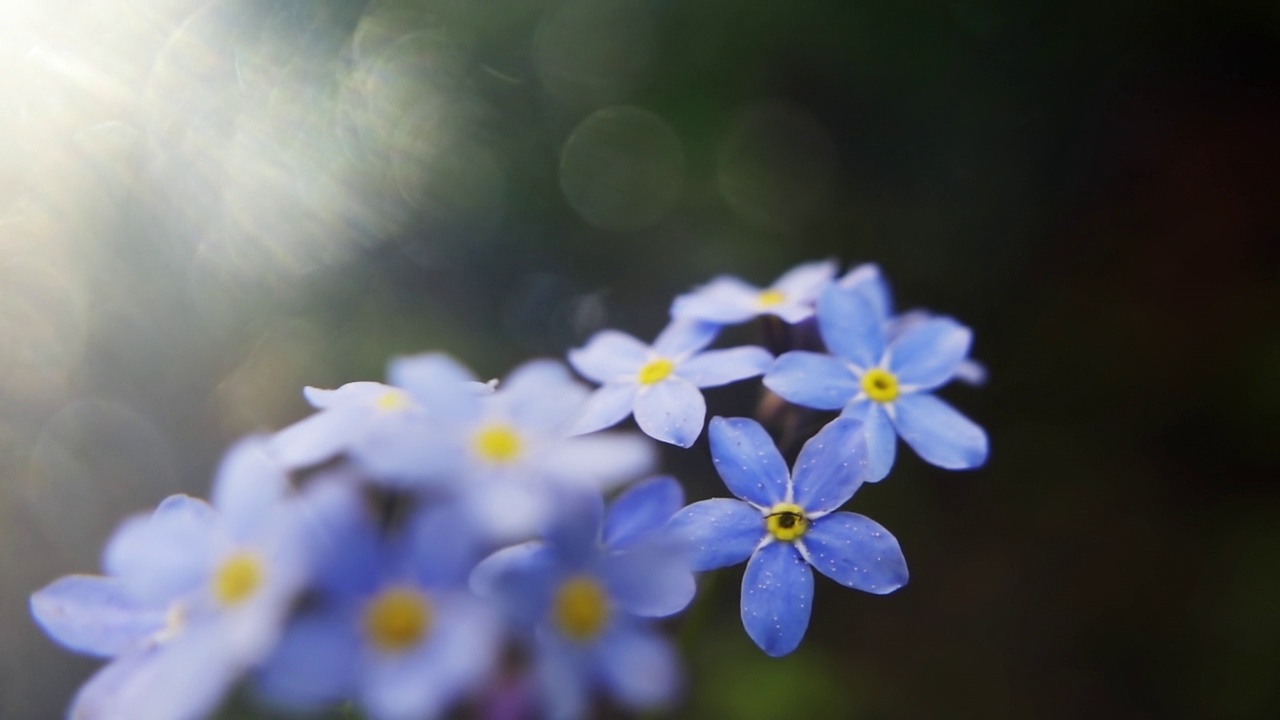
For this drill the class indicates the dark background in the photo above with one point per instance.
(205, 206)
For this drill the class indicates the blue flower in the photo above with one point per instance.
(392, 625)
(867, 280)
(726, 300)
(367, 419)
(885, 383)
(659, 383)
(194, 595)
(586, 591)
(505, 453)
(782, 525)
(509, 455)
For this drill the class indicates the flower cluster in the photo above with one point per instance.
(437, 540)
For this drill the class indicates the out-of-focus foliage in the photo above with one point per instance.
(205, 206)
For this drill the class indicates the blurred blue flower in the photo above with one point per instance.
(660, 383)
(509, 455)
(369, 420)
(585, 592)
(726, 300)
(783, 524)
(505, 453)
(885, 383)
(867, 280)
(392, 624)
(194, 595)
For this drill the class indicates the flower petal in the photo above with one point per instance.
(777, 598)
(607, 406)
(164, 555)
(185, 678)
(972, 372)
(850, 326)
(540, 394)
(600, 461)
(564, 674)
(428, 375)
(362, 392)
(799, 288)
(508, 507)
(408, 450)
(248, 486)
(671, 411)
(928, 354)
(683, 337)
(95, 615)
(718, 533)
(189, 510)
(575, 532)
(816, 381)
(881, 437)
(457, 653)
(609, 356)
(939, 433)
(805, 281)
(640, 668)
(721, 367)
(747, 460)
(649, 579)
(434, 550)
(856, 552)
(314, 439)
(831, 466)
(314, 664)
(339, 532)
(491, 574)
(642, 510)
(725, 300)
(520, 577)
(869, 281)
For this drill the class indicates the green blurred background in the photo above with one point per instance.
(205, 206)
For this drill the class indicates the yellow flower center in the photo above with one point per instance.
(770, 298)
(397, 619)
(786, 521)
(392, 401)
(498, 444)
(880, 385)
(580, 609)
(237, 579)
(656, 371)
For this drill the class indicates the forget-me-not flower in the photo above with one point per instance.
(510, 454)
(194, 595)
(867, 280)
(726, 300)
(885, 383)
(586, 592)
(661, 384)
(370, 420)
(391, 624)
(783, 524)
(505, 452)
